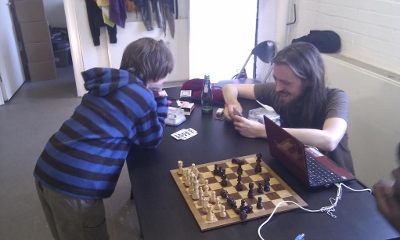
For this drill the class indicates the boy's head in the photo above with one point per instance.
(149, 59)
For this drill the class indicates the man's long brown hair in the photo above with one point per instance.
(306, 62)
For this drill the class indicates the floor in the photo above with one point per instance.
(32, 115)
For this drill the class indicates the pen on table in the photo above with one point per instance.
(300, 237)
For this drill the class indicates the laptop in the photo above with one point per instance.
(308, 164)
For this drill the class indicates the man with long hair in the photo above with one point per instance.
(313, 113)
(81, 163)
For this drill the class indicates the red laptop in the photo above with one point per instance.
(308, 164)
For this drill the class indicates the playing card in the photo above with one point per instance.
(184, 134)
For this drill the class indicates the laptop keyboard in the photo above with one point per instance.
(318, 174)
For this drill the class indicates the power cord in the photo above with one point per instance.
(327, 209)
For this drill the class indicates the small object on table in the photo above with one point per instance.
(180, 165)
(266, 185)
(239, 170)
(259, 203)
(224, 183)
(210, 215)
(243, 215)
(250, 194)
(224, 194)
(217, 205)
(242, 204)
(213, 197)
(222, 213)
(216, 169)
(239, 185)
(260, 188)
(257, 168)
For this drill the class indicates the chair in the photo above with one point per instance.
(265, 51)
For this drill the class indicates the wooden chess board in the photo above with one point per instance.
(279, 191)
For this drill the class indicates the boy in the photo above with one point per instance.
(81, 163)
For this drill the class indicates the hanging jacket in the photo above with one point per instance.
(85, 157)
(95, 18)
(117, 12)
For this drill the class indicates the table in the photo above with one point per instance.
(164, 214)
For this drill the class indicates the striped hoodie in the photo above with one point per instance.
(85, 157)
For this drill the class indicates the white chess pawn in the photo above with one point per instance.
(210, 215)
(193, 167)
(206, 188)
(180, 170)
(213, 197)
(201, 178)
(217, 205)
(222, 213)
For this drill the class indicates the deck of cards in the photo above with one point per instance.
(184, 134)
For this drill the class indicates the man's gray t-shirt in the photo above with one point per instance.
(337, 106)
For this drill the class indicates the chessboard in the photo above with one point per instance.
(218, 208)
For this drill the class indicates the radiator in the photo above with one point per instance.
(374, 117)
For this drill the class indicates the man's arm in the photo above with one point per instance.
(231, 93)
(326, 139)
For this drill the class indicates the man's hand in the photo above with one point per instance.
(249, 128)
(387, 203)
(232, 110)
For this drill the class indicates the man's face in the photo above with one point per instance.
(288, 85)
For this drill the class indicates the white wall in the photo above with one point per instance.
(374, 129)
(369, 29)
(55, 15)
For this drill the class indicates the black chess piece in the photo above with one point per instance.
(243, 215)
(224, 194)
(239, 170)
(260, 188)
(242, 205)
(259, 203)
(259, 155)
(239, 185)
(257, 168)
(249, 208)
(266, 184)
(235, 160)
(215, 169)
(224, 183)
(250, 194)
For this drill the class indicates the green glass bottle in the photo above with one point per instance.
(207, 96)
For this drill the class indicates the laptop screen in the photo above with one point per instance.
(287, 149)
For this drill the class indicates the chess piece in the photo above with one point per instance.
(201, 178)
(192, 183)
(259, 203)
(257, 168)
(201, 200)
(224, 194)
(239, 171)
(216, 171)
(196, 195)
(266, 185)
(213, 197)
(242, 204)
(210, 215)
(224, 183)
(250, 194)
(180, 165)
(187, 181)
(239, 185)
(222, 213)
(205, 206)
(260, 188)
(206, 188)
(243, 215)
(217, 205)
